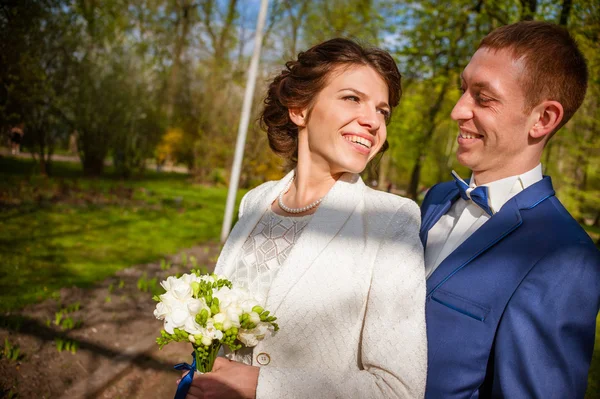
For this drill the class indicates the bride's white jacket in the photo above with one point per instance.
(349, 299)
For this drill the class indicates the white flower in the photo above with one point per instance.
(248, 305)
(177, 306)
(212, 332)
(196, 305)
(233, 316)
(161, 311)
(191, 327)
(225, 296)
(175, 319)
(220, 318)
(192, 339)
(206, 340)
(227, 324)
(254, 317)
(180, 288)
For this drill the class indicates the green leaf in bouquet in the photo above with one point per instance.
(258, 309)
(214, 307)
(202, 318)
(195, 288)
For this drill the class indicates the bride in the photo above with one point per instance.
(338, 263)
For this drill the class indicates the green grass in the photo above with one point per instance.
(67, 230)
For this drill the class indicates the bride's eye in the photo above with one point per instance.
(384, 112)
(352, 98)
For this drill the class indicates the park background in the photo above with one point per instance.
(130, 111)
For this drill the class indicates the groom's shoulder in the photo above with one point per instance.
(441, 189)
(438, 192)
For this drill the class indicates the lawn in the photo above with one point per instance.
(67, 230)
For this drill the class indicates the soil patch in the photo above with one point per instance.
(97, 342)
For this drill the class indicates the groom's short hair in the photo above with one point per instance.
(555, 68)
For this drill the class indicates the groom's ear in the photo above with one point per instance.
(549, 114)
(298, 116)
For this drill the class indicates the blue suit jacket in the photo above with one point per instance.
(512, 311)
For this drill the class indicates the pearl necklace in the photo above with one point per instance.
(295, 210)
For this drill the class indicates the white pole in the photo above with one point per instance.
(243, 127)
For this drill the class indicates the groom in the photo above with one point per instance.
(513, 282)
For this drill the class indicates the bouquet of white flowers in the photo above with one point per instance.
(208, 311)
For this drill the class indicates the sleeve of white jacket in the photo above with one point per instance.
(242, 205)
(393, 349)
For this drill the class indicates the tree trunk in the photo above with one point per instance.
(415, 176)
(93, 166)
(433, 111)
(528, 9)
(183, 24)
(384, 167)
(43, 165)
(565, 12)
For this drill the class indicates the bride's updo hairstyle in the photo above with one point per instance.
(297, 86)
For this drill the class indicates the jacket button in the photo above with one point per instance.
(263, 358)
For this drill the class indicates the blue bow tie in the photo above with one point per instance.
(479, 195)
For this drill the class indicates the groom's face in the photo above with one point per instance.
(493, 127)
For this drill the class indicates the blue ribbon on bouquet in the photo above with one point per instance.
(186, 382)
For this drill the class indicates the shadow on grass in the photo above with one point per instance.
(27, 326)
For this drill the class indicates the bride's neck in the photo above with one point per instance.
(310, 185)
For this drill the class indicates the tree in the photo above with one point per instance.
(36, 60)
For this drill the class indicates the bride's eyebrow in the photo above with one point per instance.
(360, 93)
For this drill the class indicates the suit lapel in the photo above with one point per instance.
(435, 212)
(255, 209)
(494, 230)
(325, 224)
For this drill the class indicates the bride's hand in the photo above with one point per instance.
(227, 380)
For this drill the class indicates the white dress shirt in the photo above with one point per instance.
(465, 217)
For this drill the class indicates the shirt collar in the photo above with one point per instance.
(500, 191)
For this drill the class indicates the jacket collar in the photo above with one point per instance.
(494, 230)
(334, 210)
(435, 211)
(256, 205)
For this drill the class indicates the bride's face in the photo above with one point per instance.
(346, 125)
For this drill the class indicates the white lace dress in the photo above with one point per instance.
(265, 250)
(262, 255)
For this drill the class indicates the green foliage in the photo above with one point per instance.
(63, 320)
(165, 264)
(11, 352)
(184, 259)
(165, 337)
(144, 284)
(66, 344)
